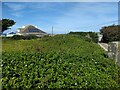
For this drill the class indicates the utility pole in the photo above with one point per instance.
(52, 30)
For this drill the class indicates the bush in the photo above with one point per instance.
(28, 37)
(88, 36)
(65, 61)
(94, 36)
(30, 70)
(17, 37)
(110, 33)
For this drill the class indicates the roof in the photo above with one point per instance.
(12, 33)
(31, 29)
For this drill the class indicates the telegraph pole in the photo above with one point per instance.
(52, 30)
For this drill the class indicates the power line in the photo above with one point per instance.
(98, 24)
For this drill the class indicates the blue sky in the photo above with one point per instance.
(63, 16)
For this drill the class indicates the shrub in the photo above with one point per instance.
(30, 70)
(17, 37)
(65, 61)
(110, 33)
(28, 37)
(88, 36)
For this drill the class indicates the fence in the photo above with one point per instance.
(114, 51)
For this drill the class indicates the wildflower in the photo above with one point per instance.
(75, 83)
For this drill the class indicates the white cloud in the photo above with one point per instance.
(17, 14)
(14, 6)
(81, 15)
(87, 15)
(16, 9)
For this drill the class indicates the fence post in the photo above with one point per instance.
(113, 52)
(118, 57)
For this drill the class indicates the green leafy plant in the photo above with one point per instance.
(63, 62)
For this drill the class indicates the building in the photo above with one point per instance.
(100, 36)
(8, 34)
(30, 30)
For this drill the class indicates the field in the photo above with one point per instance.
(62, 61)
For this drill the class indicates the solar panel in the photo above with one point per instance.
(33, 30)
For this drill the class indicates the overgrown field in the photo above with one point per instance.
(62, 61)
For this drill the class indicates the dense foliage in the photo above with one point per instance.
(6, 23)
(91, 36)
(28, 37)
(119, 46)
(111, 33)
(62, 61)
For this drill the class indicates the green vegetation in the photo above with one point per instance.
(90, 36)
(28, 37)
(119, 45)
(62, 61)
(111, 33)
(6, 23)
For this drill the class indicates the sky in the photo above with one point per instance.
(60, 0)
(63, 16)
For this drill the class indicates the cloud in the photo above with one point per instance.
(87, 14)
(65, 16)
(40, 6)
(17, 14)
(16, 9)
(15, 6)
(19, 6)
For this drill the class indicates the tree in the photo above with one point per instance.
(111, 33)
(6, 23)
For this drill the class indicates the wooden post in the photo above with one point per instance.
(52, 30)
(113, 52)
